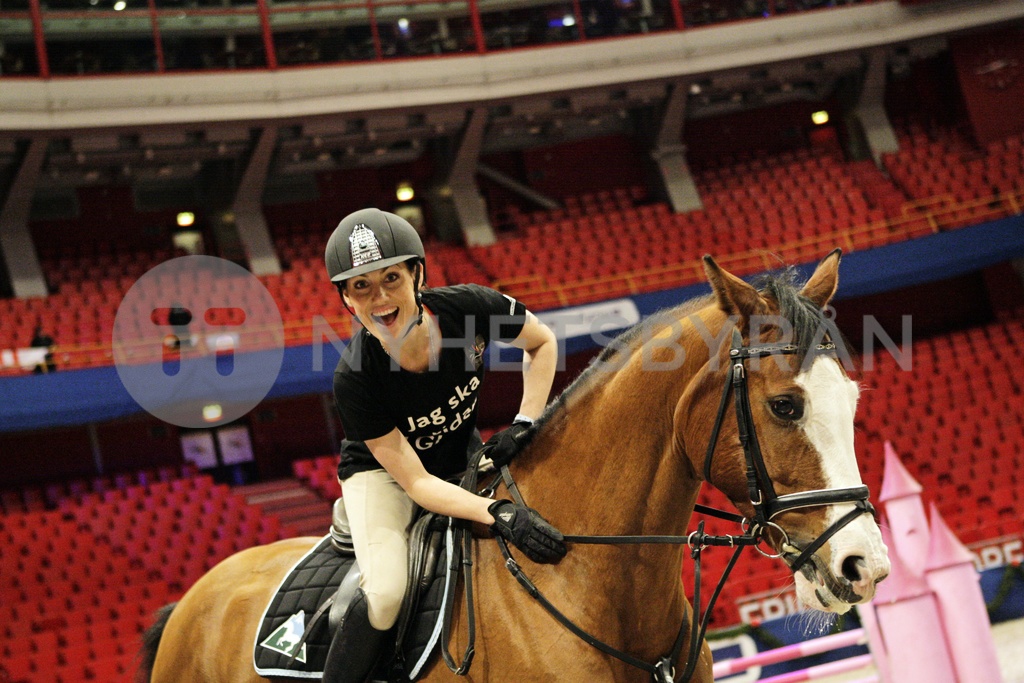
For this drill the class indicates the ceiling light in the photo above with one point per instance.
(120, 5)
(820, 117)
(404, 191)
(186, 218)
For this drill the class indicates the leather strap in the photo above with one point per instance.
(462, 558)
(314, 621)
(860, 507)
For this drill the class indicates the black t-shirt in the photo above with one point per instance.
(435, 409)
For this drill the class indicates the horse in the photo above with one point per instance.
(623, 451)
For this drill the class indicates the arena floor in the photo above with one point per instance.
(1009, 638)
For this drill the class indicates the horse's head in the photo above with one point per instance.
(785, 454)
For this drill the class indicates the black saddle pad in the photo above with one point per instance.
(313, 579)
(316, 577)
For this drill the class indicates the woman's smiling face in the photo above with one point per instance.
(384, 301)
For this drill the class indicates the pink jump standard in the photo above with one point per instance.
(928, 621)
(950, 572)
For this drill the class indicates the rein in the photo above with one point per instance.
(766, 502)
(663, 671)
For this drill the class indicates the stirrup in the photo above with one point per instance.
(342, 543)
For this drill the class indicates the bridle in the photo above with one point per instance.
(767, 506)
(766, 502)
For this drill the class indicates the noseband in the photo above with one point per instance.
(766, 502)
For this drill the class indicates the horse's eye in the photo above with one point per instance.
(786, 408)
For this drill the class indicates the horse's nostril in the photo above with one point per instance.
(854, 567)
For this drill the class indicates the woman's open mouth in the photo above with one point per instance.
(387, 317)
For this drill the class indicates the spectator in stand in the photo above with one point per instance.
(179, 319)
(42, 340)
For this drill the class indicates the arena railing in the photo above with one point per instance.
(44, 38)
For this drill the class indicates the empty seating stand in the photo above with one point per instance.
(759, 210)
(955, 421)
(320, 474)
(79, 584)
(946, 175)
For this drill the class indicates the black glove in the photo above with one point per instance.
(506, 444)
(528, 531)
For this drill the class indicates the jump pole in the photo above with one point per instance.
(787, 652)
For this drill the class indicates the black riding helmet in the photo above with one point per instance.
(370, 239)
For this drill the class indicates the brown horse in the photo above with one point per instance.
(623, 451)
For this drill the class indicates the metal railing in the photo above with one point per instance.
(46, 38)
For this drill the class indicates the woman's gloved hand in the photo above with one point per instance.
(506, 444)
(528, 531)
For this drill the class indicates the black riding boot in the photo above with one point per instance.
(354, 650)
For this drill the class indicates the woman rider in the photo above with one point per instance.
(406, 389)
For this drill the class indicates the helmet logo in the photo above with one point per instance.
(363, 246)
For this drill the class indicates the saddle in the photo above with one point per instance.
(298, 623)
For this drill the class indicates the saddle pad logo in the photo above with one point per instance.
(285, 637)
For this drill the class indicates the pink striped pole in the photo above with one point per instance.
(822, 670)
(788, 652)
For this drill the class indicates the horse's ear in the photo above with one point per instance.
(823, 283)
(735, 297)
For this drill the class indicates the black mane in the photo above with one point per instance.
(811, 325)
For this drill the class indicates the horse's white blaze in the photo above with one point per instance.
(830, 404)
